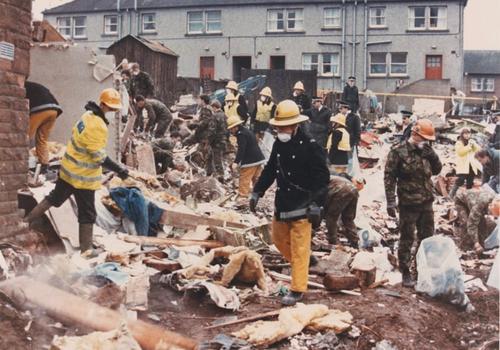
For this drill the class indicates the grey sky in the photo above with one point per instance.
(481, 18)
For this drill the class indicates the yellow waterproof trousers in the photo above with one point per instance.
(293, 240)
(41, 124)
(248, 178)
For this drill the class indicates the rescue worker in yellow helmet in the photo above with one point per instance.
(263, 112)
(232, 107)
(232, 88)
(298, 165)
(81, 166)
(339, 145)
(300, 98)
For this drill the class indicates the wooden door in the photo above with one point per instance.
(433, 67)
(207, 67)
(277, 62)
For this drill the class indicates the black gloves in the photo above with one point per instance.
(254, 199)
(391, 212)
(427, 152)
(110, 164)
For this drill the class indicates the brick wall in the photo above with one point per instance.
(15, 28)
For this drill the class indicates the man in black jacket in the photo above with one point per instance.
(44, 110)
(249, 158)
(351, 94)
(407, 125)
(353, 125)
(300, 98)
(319, 121)
(298, 165)
(141, 83)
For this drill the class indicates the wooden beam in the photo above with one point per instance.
(191, 221)
(145, 240)
(247, 319)
(68, 307)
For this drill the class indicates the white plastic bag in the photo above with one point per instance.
(368, 238)
(439, 270)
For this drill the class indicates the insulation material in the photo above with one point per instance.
(290, 321)
(245, 266)
(335, 320)
(221, 296)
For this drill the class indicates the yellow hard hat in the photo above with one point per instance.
(233, 121)
(299, 86)
(232, 85)
(230, 97)
(424, 128)
(339, 119)
(287, 113)
(111, 98)
(266, 92)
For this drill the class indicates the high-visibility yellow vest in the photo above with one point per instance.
(345, 141)
(264, 112)
(232, 111)
(85, 152)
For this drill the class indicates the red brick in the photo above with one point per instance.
(8, 207)
(9, 182)
(14, 140)
(13, 153)
(8, 196)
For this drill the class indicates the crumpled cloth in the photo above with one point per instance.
(145, 214)
(111, 271)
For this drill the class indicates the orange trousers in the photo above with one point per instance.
(41, 124)
(248, 178)
(293, 240)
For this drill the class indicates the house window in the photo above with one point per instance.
(148, 22)
(332, 18)
(285, 20)
(377, 17)
(378, 63)
(64, 26)
(399, 65)
(482, 85)
(416, 19)
(437, 17)
(326, 64)
(110, 25)
(200, 22)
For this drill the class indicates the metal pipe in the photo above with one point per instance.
(342, 73)
(354, 14)
(365, 51)
(137, 24)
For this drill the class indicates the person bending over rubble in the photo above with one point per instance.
(473, 226)
(342, 202)
(467, 166)
(490, 160)
(81, 167)
(163, 151)
(211, 134)
(298, 165)
(249, 158)
(409, 167)
(159, 116)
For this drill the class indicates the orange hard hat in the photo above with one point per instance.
(111, 98)
(424, 128)
(495, 207)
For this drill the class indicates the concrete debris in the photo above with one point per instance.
(13, 261)
(318, 341)
(118, 339)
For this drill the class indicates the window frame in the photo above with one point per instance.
(205, 13)
(320, 65)
(105, 31)
(479, 84)
(370, 64)
(412, 18)
(370, 17)
(492, 84)
(144, 30)
(325, 17)
(391, 63)
(84, 36)
(66, 27)
(189, 13)
(285, 13)
(445, 8)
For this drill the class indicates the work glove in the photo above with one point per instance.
(254, 199)
(427, 152)
(123, 173)
(115, 167)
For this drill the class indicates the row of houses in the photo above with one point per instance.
(386, 44)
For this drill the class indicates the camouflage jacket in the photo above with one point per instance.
(142, 84)
(408, 170)
(211, 129)
(157, 112)
(476, 201)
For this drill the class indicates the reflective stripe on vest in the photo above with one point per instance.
(232, 111)
(263, 111)
(345, 143)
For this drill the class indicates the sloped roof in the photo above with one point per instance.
(482, 62)
(152, 45)
(79, 6)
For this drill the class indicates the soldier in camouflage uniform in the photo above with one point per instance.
(211, 134)
(473, 226)
(141, 83)
(159, 116)
(163, 152)
(409, 167)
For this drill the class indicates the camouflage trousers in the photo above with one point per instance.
(467, 240)
(344, 208)
(215, 161)
(413, 218)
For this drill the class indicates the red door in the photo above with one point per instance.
(433, 67)
(207, 68)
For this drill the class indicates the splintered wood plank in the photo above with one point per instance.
(146, 159)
